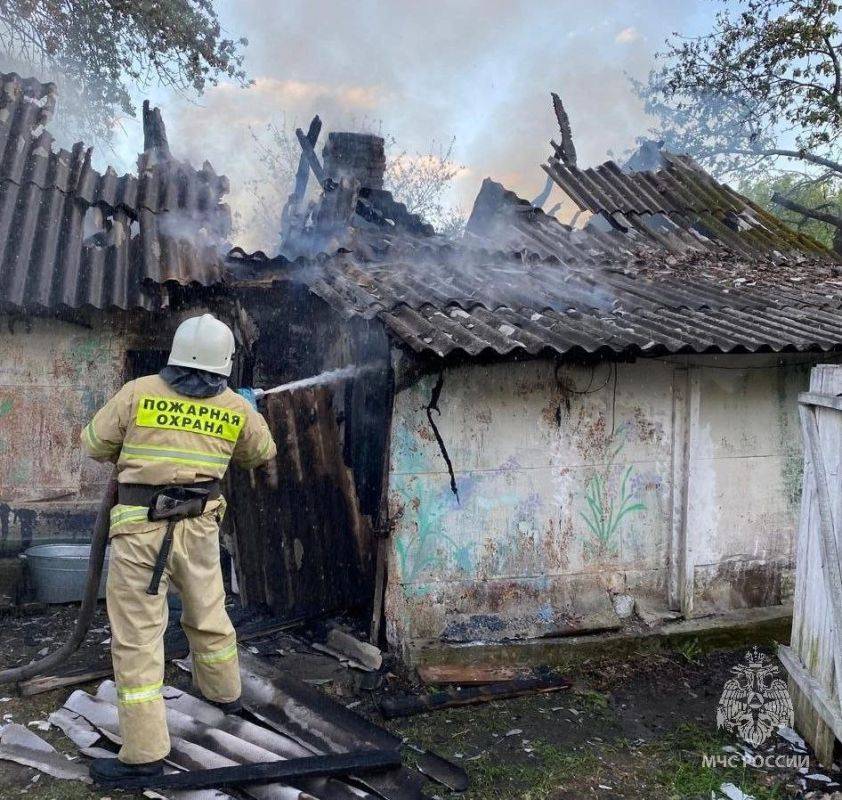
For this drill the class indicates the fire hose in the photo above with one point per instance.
(99, 543)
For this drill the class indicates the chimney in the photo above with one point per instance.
(355, 155)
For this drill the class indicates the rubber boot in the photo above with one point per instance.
(110, 771)
(234, 707)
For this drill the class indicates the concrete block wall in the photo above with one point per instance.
(675, 481)
(53, 376)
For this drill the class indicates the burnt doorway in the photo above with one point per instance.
(302, 549)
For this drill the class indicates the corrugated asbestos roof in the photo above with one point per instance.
(500, 219)
(291, 720)
(521, 307)
(521, 282)
(74, 237)
(678, 206)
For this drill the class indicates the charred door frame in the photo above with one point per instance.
(333, 456)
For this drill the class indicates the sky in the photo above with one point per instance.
(425, 73)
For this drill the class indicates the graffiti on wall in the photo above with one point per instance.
(612, 496)
(431, 547)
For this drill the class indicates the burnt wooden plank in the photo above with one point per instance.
(405, 706)
(302, 547)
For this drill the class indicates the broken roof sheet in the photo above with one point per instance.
(679, 206)
(503, 220)
(72, 236)
(522, 282)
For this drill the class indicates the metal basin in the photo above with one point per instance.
(58, 572)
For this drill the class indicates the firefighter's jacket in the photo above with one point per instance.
(159, 437)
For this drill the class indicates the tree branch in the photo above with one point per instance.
(837, 71)
(803, 155)
(791, 205)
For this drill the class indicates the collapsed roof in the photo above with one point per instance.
(662, 258)
(669, 261)
(72, 237)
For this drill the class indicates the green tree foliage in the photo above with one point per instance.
(96, 50)
(759, 97)
(822, 197)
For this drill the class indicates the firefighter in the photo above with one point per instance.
(172, 436)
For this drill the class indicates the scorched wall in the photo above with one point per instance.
(675, 481)
(53, 377)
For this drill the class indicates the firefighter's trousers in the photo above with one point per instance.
(138, 621)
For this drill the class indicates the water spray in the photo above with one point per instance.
(323, 378)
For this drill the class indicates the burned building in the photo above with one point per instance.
(562, 425)
(546, 426)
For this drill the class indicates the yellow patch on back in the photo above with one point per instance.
(174, 414)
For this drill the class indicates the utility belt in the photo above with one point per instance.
(171, 503)
(143, 494)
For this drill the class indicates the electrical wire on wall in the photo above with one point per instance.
(613, 372)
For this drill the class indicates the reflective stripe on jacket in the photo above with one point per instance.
(158, 436)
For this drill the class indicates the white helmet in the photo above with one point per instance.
(203, 343)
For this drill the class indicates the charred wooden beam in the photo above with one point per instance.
(154, 133)
(309, 152)
(468, 674)
(361, 762)
(405, 706)
(303, 172)
(293, 209)
(565, 151)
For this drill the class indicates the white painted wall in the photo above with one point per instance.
(53, 377)
(674, 480)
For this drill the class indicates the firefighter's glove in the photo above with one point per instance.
(249, 395)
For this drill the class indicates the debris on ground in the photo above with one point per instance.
(640, 724)
(789, 735)
(353, 648)
(467, 674)
(23, 746)
(733, 792)
(407, 705)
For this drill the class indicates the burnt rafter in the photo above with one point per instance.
(294, 209)
(566, 151)
(309, 152)
(155, 133)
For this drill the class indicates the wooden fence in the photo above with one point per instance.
(814, 657)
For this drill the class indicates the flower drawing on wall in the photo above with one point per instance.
(611, 498)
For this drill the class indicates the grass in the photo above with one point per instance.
(683, 774)
(551, 770)
(691, 651)
(580, 743)
(597, 701)
(672, 767)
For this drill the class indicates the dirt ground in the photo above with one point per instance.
(636, 728)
